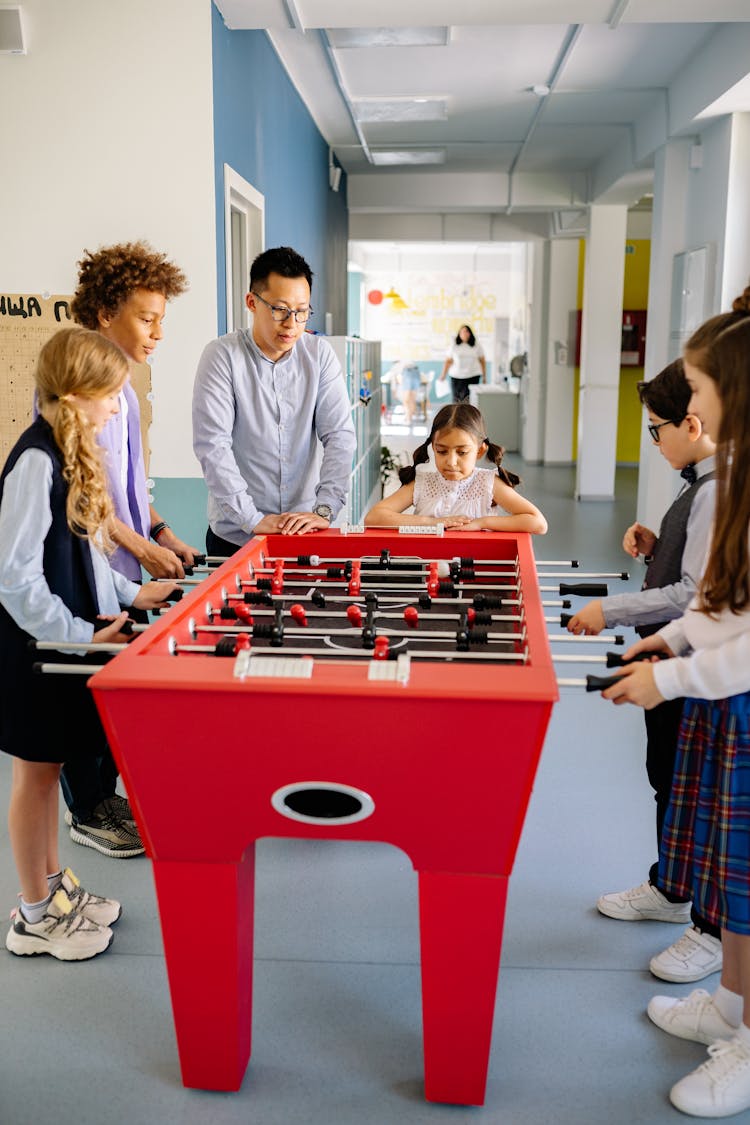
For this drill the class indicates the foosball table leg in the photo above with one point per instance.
(461, 927)
(210, 976)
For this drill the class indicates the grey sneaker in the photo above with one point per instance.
(692, 957)
(107, 835)
(63, 933)
(696, 1017)
(642, 904)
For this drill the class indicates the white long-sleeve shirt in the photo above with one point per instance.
(25, 519)
(719, 666)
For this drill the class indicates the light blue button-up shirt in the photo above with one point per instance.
(271, 437)
(25, 519)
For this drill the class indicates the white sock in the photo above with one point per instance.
(54, 881)
(34, 911)
(729, 1005)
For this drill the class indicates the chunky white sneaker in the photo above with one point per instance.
(63, 932)
(696, 1017)
(718, 1088)
(641, 904)
(103, 911)
(692, 957)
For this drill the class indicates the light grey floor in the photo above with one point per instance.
(337, 1026)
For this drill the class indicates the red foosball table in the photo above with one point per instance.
(399, 638)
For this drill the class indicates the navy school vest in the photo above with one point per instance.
(665, 567)
(68, 569)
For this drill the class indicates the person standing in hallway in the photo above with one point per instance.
(122, 294)
(706, 842)
(267, 402)
(674, 562)
(466, 357)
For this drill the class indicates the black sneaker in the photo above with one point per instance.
(107, 834)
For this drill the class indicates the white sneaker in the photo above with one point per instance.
(696, 1017)
(641, 904)
(63, 932)
(692, 957)
(103, 911)
(718, 1088)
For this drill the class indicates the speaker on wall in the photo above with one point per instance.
(11, 31)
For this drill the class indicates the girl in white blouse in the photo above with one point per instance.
(456, 493)
(706, 838)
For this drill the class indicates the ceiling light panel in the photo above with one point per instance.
(389, 37)
(408, 156)
(400, 109)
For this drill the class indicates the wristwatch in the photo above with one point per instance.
(325, 511)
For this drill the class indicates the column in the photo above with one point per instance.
(601, 334)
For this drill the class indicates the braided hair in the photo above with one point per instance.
(459, 416)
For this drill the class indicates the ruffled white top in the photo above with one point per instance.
(472, 497)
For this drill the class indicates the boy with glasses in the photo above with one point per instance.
(674, 562)
(265, 400)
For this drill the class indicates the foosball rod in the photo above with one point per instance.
(370, 562)
(78, 646)
(582, 589)
(590, 683)
(67, 669)
(374, 576)
(344, 654)
(426, 637)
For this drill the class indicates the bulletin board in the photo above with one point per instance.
(26, 321)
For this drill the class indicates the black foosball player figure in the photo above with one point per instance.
(456, 493)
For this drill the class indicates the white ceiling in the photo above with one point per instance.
(624, 76)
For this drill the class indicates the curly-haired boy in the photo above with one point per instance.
(122, 292)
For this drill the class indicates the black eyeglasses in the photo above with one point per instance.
(653, 428)
(280, 313)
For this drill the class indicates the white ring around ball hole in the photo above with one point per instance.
(278, 798)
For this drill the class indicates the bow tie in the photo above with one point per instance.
(689, 474)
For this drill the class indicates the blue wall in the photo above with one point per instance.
(263, 130)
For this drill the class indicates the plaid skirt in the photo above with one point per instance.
(705, 847)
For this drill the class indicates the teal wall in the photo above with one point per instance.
(263, 130)
(182, 501)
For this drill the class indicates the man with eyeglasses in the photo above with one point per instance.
(267, 400)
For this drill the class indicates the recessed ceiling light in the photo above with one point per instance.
(408, 156)
(400, 109)
(541, 90)
(389, 36)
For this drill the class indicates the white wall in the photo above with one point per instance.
(106, 135)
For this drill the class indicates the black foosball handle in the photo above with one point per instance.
(600, 683)
(617, 660)
(174, 596)
(585, 589)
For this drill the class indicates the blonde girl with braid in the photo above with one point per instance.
(455, 493)
(56, 584)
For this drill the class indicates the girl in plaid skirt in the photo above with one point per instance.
(706, 842)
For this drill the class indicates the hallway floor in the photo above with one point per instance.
(337, 1022)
